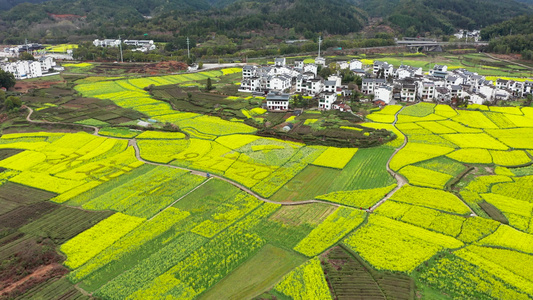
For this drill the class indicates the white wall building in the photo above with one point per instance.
(383, 93)
(426, 91)
(24, 69)
(106, 43)
(326, 100)
(356, 64)
(277, 101)
(370, 84)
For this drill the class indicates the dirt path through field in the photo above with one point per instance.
(508, 61)
(399, 178)
(38, 273)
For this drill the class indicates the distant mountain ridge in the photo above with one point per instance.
(203, 17)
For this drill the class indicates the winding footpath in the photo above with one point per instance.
(399, 178)
(401, 181)
(133, 142)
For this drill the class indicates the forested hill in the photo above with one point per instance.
(68, 20)
(512, 36)
(415, 16)
(8, 4)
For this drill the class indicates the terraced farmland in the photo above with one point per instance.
(216, 212)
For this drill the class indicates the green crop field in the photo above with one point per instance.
(211, 203)
(256, 275)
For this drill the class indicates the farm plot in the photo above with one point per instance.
(513, 268)
(509, 238)
(291, 224)
(126, 251)
(256, 275)
(383, 243)
(474, 119)
(475, 140)
(91, 242)
(427, 218)
(305, 282)
(415, 152)
(518, 212)
(425, 177)
(431, 198)
(148, 194)
(200, 270)
(130, 94)
(358, 198)
(330, 231)
(461, 278)
(351, 278)
(521, 189)
(310, 182)
(71, 163)
(366, 170)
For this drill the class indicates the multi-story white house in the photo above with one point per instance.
(370, 84)
(488, 91)
(326, 100)
(47, 63)
(330, 86)
(408, 92)
(320, 61)
(311, 68)
(280, 62)
(442, 94)
(405, 71)
(456, 91)
(426, 91)
(440, 71)
(337, 79)
(249, 71)
(454, 80)
(356, 64)
(106, 43)
(383, 93)
(277, 101)
(387, 68)
(343, 65)
(278, 83)
(24, 69)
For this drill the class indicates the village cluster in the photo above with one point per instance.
(26, 69)
(385, 83)
(142, 45)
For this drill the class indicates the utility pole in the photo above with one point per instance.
(188, 51)
(319, 43)
(120, 45)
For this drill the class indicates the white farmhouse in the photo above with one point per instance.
(330, 86)
(320, 61)
(355, 64)
(343, 65)
(311, 68)
(277, 101)
(383, 93)
(278, 83)
(23, 69)
(408, 92)
(106, 43)
(326, 100)
(249, 71)
(370, 84)
(280, 62)
(426, 91)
